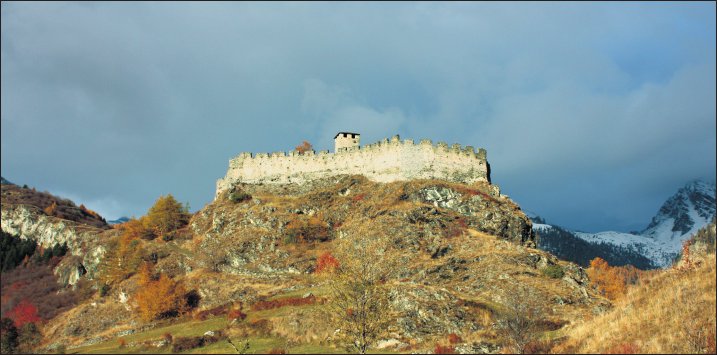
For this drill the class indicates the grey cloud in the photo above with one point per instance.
(576, 104)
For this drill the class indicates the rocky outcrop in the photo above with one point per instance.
(29, 222)
(492, 213)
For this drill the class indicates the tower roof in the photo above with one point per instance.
(337, 134)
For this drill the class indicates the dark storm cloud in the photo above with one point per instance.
(591, 114)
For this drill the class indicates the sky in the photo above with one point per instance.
(592, 114)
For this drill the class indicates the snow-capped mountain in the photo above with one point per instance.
(684, 213)
(118, 220)
(688, 210)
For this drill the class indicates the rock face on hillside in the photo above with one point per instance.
(420, 215)
(457, 247)
(23, 216)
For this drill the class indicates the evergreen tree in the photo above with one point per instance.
(8, 336)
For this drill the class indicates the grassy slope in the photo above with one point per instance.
(673, 311)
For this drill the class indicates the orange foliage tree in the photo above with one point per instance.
(304, 147)
(50, 210)
(612, 281)
(159, 297)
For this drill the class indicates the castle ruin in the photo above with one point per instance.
(384, 161)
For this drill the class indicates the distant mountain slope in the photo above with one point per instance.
(5, 182)
(684, 213)
(118, 221)
(566, 245)
(55, 206)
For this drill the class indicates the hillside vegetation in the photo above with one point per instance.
(51, 205)
(348, 265)
(438, 265)
(669, 311)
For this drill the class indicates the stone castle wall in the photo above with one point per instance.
(385, 161)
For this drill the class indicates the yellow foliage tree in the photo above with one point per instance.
(166, 215)
(124, 257)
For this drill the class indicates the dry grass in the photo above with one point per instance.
(672, 311)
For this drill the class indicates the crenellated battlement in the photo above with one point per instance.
(384, 161)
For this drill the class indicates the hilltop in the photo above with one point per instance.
(50, 205)
(460, 254)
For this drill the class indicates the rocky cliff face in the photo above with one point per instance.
(243, 237)
(455, 246)
(29, 222)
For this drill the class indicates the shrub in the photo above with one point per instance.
(24, 312)
(326, 263)
(261, 326)
(537, 347)
(8, 336)
(186, 343)
(553, 271)
(306, 230)
(167, 337)
(104, 290)
(239, 196)
(625, 348)
(282, 302)
(51, 209)
(203, 315)
(29, 337)
(453, 338)
(236, 314)
(441, 349)
(122, 343)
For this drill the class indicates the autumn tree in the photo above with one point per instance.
(123, 256)
(358, 302)
(612, 281)
(166, 215)
(159, 297)
(520, 318)
(23, 313)
(304, 147)
(51, 209)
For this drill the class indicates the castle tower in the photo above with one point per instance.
(346, 140)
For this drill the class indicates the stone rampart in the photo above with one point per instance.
(384, 161)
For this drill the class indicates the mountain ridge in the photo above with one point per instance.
(680, 216)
